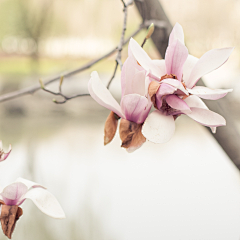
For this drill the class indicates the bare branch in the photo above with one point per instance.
(118, 61)
(33, 89)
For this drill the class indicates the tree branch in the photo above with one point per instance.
(33, 89)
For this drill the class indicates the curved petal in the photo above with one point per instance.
(210, 61)
(175, 58)
(208, 93)
(136, 84)
(144, 60)
(195, 101)
(175, 83)
(177, 33)
(206, 117)
(188, 66)
(158, 128)
(13, 192)
(135, 107)
(177, 103)
(28, 183)
(101, 95)
(46, 202)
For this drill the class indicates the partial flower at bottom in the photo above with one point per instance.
(16, 193)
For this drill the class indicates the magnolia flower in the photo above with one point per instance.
(134, 108)
(16, 193)
(172, 89)
(3, 155)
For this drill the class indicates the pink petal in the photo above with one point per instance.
(136, 84)
(207, 117)
(158, 128)
(176, 56)
(188, 66)
(210, 61)
(207, 93)
(130, 67)
(46, 202)
(175, 83)
(166, 89)
(13, 193)
(101, 95)
(177, 103)
(177, 33)
(195, 101)
(135, 107)
(144, 60)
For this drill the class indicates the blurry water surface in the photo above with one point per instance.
(186, 189)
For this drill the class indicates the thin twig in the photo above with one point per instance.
(113, 76)
(121, 43)
(59, 93)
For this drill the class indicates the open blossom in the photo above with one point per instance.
(3, 155)
(133, 109)
(172, 88)
(16, 193)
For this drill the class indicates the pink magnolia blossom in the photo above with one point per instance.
(16, 193)
(3, 155)
(134, 107)
(173, 89)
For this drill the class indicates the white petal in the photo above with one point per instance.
(143, 59)
(210, 61)
(46, 202)
(195, 101)
(207, 117)
(207, 93)
(102, 95)
(158, 128)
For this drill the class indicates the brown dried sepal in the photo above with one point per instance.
(9, 217)
(110, 127)
(168, 76)
(131, 134)
(152, 90)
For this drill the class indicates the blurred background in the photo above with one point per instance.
(186, 189)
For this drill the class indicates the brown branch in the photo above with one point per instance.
(33, 89)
